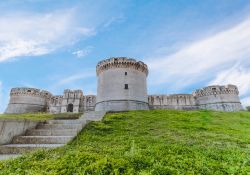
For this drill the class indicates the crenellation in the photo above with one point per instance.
(121, 62)
(29, 92)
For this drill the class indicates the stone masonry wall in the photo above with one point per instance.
(25, 100)
(177, 101)
(223, 98)
(122, 85)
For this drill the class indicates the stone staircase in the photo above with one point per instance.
(49, 134)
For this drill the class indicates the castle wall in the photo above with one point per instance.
(176, 101)
(122, 86)
(26, 100)
(223, 98)
(113, 76)
(71, 98)
(88, 103)
(55, 104)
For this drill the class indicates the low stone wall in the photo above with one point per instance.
(229, 107)
(11, 128)
(174, 107)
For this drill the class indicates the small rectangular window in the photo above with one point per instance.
(126, 73)
(126, 86)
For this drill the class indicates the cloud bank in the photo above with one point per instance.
(34, 34)
(219, 59)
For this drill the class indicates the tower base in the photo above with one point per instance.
(121, 105)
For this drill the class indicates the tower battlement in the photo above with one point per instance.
(121, 62)
(216, 90)
(72, 93)
(23, 100)
(30, 92)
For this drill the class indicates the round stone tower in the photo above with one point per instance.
(122, 85)
(27, 100)
(222, 98)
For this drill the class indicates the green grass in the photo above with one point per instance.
(149, 142)
(39, 116)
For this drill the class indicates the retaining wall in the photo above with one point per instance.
(11, 128)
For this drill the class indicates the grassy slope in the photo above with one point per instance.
(37, 116)
(149, 142)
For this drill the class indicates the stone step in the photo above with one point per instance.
(51, 132)
(59, 126)
(63, 122)
(94, 119)
(97, 114)
(21, 148)
(94, 112)
(42, 139)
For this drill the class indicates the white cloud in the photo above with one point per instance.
(203, 60)
(32, 34)
(245, 101)
(73, 78)
(83, 52)
(237, 75)
(112, 20)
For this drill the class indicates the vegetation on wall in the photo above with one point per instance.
(149, 142)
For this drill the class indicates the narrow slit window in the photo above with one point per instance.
(126, 86)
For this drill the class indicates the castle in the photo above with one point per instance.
(122, 86)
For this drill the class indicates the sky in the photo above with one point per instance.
(187, 45)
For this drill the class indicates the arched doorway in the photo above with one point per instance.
(70, 107)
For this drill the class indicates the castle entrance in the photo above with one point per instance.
(70, 107)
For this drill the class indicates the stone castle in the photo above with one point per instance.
(122, 86)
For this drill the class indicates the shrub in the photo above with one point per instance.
(248, 108)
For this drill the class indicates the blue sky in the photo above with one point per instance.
(55, 45)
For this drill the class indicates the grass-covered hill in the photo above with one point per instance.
(149, 142)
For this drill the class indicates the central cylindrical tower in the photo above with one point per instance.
(122, 85)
